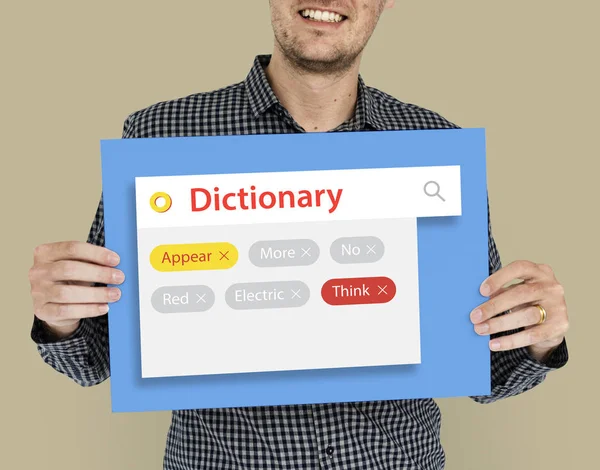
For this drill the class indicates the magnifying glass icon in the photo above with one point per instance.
(436, 189)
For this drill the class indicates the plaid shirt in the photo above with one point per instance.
(402, 434)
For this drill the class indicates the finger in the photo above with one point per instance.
(547, 269)
(68, 270)
(511, 298)
(518, 318)
(531, 336)
(68, 294)
(504, 289)
(525, 270)
(55, 313)
(75, 250)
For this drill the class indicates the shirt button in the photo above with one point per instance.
(329, 450)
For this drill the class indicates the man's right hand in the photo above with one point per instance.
(62, 278)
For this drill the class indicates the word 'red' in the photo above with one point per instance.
(203, 199)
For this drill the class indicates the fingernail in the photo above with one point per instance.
(114, 294)
(485, 289)
(118, 277)
(482, 329)
(103, 309)
(113, 258)
(477, 315)
(495, 345)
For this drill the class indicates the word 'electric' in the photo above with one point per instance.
(203, 199)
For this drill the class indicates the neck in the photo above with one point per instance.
(317, 102)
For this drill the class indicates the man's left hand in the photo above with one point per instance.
(540, 287)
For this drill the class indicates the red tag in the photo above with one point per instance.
(358, 290)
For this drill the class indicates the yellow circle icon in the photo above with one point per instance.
(163, 208)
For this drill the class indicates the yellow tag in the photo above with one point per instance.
(194, 257)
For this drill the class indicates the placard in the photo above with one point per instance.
(305, 268)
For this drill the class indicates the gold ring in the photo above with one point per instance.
(543, 314)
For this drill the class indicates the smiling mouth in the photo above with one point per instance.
(322, 16)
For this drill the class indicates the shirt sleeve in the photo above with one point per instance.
(84, 355)
(516, 371)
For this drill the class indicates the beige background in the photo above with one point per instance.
(527, 71)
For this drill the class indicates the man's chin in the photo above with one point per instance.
(318, 62)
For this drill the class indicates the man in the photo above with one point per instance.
(310, 83)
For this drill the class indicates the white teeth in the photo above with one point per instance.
(318, 15)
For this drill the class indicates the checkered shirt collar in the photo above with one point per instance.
(261, 97)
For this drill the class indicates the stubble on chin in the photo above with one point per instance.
(297, 55)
